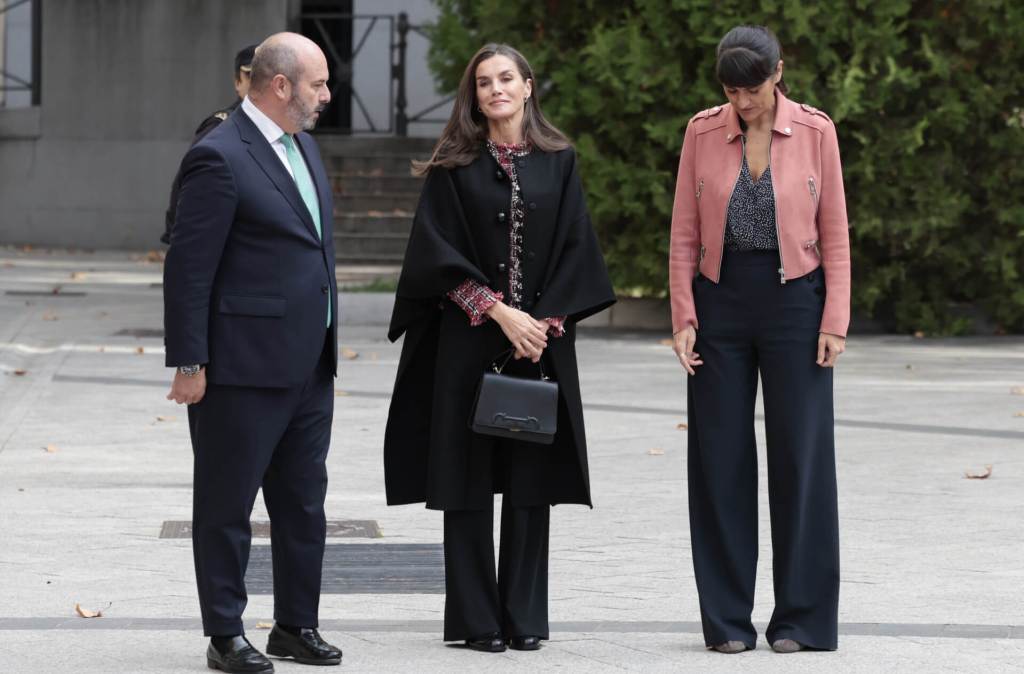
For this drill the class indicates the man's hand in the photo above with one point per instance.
(187, 390)
(528, 335)
(682, 344)
(829, 348)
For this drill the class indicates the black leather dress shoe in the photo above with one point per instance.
(236, 655)
(488, 643)
(303, 644)
(526, 643)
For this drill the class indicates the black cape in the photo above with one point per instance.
(461, 231)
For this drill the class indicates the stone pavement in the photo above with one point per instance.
(933, 563)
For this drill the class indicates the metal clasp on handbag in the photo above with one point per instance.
(508, 356)
(516, 424)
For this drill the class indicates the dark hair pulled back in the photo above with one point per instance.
(747, 56)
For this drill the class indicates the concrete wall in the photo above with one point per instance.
(124, 84)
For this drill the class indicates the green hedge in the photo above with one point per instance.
(927, 97)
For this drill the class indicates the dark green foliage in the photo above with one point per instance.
(928, 98)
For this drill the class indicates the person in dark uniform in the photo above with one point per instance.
(501, 257)
(759, 274)
(243, 72)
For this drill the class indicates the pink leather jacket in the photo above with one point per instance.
(810, 205)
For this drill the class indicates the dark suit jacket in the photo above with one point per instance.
(205, 127)
(247, 279)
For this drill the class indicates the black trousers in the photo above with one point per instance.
(514, 604)
(245, 438)
(751, 324)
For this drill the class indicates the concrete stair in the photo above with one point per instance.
(375, 195)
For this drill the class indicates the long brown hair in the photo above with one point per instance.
(461, 141)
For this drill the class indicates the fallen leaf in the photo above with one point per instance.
(50, 316)
(656, 451)
(1017, 391)
(979, 476)
(103, 349)
(164, 417)
(155, 256)
(666, 342)
(51, 449)
(78, 275)
(1018, 414)
(263, 625)
(140, 350)
(20, 373)
(86, 613)
(681, 427)
(919, 334)
(26, 248)
(349, 354)
(339, 393)
(55, 291)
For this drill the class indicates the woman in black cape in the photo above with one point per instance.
(501, 256)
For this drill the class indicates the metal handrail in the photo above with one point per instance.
(402, 119)
(398, 31)
(21, 84)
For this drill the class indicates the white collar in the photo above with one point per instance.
(268, 127)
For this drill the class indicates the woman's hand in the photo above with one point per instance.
(682, 344)
(527, 335)
(829, 348)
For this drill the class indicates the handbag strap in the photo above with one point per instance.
(507, 355)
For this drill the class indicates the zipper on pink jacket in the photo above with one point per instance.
(775, 203)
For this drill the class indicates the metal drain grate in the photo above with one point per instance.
(261, 529)
(363, 568)
(139, 332)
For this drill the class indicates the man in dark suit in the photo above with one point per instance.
(243, 70)
(250, 314)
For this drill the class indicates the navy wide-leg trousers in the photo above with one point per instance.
(750, 325)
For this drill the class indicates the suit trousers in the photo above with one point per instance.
(750, 325)
(245, 438)
(516, 602)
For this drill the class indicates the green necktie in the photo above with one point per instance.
(300, 172)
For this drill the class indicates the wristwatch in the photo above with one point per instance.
(190, 370)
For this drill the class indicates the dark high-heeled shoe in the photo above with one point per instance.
(488, 643)
(524, 643)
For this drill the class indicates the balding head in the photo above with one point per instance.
(289, 80)
(282, 54)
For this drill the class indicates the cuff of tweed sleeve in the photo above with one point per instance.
(475, 299)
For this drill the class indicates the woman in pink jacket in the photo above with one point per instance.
(759, 274)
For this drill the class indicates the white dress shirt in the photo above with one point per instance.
(270, 130)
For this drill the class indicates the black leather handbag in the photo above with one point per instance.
(516, 407)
